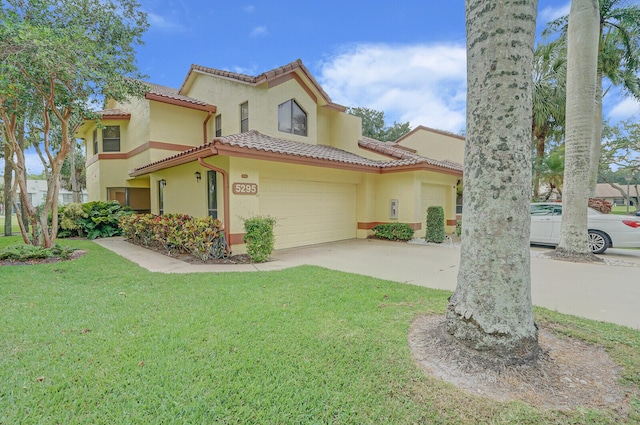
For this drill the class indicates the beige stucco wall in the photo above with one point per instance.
(176, 124)
(435, 145)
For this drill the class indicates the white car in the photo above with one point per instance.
(605, 230)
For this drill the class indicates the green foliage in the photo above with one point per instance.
(71, 218)
(173, 232)
(23, 252)
(259, 237)
(459, 228)
(373, 125)
(103, 219)
(393, 231)
(435, 224)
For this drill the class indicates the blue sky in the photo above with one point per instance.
(405, 58)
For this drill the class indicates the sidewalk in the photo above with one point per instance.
(608, 293)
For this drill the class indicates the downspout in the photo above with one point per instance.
(204, 125)
(225, 191)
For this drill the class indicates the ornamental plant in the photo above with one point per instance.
(393, 231)
(259, 237)
(435, 224)
(600, 205)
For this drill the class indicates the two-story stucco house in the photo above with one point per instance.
(234, 146)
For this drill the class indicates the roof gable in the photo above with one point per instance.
(294, 70)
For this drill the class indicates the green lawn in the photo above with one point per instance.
(622, 209)
(100, 340)
(14, 225)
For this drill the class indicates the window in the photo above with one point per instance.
(138, 198)
(291, 118)
(161, 184)
(95, 141)
(213, 194)
(111, 138)
(244, 117)
(219, 125)
(67, 198)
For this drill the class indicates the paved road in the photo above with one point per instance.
(607, 292)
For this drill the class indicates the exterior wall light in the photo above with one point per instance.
(163, 182)
(198, 175)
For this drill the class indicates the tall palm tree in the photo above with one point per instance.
(549, 98)
(618, 62)
(582, 59)
(490, 310)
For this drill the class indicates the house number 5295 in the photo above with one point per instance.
(245, 188)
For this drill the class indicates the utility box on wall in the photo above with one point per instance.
(393, 209)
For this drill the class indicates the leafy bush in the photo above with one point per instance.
(393, 231)
(173, 232)
(600, 205)
(71, 218)
(259, 237)
(435, 225)
(25, 252)
(103, 219)
(459, 228)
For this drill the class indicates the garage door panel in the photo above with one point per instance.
(309, 212)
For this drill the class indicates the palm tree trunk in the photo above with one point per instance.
(596, 143)
(490, 310)
(582, 61)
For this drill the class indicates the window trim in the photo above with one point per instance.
(244, 118)
(291, 128)
(218, 125)
(110, 139)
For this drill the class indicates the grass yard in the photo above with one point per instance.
(100, 340)
(622, 209)
(14, 225)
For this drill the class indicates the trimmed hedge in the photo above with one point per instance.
(393, 231)
(435, 225)
(259, 237)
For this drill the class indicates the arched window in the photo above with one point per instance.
(291, 118)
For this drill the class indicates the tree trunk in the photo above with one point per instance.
(582, 61)
(596, 143)
(490, 310)
(8, 194)
(24, 212)
(73, 177)
(540, 137)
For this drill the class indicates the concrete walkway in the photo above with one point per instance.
(607, 292)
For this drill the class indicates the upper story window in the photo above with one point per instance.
(111, 138)
(291, 118)
(244, 117)
(219, 125)
(95, 141)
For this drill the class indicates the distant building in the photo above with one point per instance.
(609, 193)
(37, 193)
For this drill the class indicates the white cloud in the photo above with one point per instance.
(421, 84)
(32, 161)
(549, 13)
(259, 31)
(624, 110)
(164, 24)
(249, 8)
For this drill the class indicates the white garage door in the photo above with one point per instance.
(432, 196)
(309, 212)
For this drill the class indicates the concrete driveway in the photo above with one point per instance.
(607, 292)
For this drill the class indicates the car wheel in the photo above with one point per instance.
(598, 241)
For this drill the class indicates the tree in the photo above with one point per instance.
(56, 58)
(373, 125)
(618, 62)
(549, 96)
(620, 150)
(490, 310)
(582, 60)
(552, 171)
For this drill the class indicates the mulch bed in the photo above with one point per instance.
(74, 255)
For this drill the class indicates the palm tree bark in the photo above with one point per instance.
(490, 310)
(582, 61)
(596, 142)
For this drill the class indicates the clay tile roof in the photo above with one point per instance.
(258, 142)
(265, 76)
(113, 113)
(171, 93)
(392, 150)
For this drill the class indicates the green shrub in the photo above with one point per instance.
(459, 228)
(393, 231)
(70, 218)
(601, 205)
(259, 237)
(25, 252)
(103, 219)
(435, 225)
